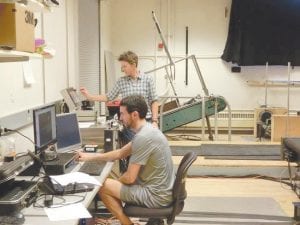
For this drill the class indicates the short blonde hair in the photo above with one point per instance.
(129, 57)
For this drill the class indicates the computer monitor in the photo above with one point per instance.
(72, 98)
(44, 127)
(68, 134)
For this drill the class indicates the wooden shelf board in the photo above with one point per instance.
(12, 56)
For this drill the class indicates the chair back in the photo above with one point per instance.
(179, 191)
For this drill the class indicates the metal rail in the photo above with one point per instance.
(168, 68)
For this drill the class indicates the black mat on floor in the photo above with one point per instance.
(232, 151)
(232, 210)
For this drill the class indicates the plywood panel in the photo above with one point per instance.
(285, 126)
(273, 110)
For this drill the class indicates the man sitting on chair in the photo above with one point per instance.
(149, 178)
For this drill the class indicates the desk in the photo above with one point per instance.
(38, 216)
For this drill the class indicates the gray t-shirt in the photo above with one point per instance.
(155, 180)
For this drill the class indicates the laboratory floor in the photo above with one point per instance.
(231, 199)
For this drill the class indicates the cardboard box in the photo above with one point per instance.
(16, 27)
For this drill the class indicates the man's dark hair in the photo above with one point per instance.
(135, 103)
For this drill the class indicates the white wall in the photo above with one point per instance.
(14, 96)
(55, 33)
(51, 75)
(105, 42)
(133, 28)
(58, 28)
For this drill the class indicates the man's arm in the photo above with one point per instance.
(99, 98)
(108, 156)
(154, 110)
(131, 174)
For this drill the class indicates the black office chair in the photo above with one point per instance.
(179, 195)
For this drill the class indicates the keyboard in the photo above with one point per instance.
(11, 169)
(65, 157)
(15, 190)
(12, 219)
(92, 168)
(16, 195)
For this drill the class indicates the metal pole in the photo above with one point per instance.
(266, 84)
(161, 111)
(162, 37)
(229, 120)
(203, 117)
(216, 120)
(288, 100)
(200, 75)
(186, 53)
(172, 85)
(165, 44)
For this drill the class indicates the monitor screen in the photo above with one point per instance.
(44, 127)
(72, 98)
(68, 134)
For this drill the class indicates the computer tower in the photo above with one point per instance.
(111, 139)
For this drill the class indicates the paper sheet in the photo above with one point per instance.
(68, 212)
(27, 73)
(74, 177)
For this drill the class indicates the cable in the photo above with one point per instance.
(70, 203)
(18, 132)
(255, 176)
(184, 137)
(59, 204)
(290, 174)
(281, 180)
(37, 205)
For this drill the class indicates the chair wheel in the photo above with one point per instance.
(155, 221)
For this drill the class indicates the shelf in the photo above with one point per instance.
(32, 5)
(35, 6)
(16, 56)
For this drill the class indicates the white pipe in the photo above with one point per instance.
(43, 60)
(216, 120)
(229, 117)
(184, 56)
(266, 84)
(288, 100)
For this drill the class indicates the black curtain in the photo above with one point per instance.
(263, 31)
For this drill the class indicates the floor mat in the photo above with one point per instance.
(232, 210)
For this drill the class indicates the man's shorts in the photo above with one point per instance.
(138, 195)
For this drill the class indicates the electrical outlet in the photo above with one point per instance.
(29, 116)
(1, 130)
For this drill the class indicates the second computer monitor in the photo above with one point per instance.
(44, 128)
(68, 134)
